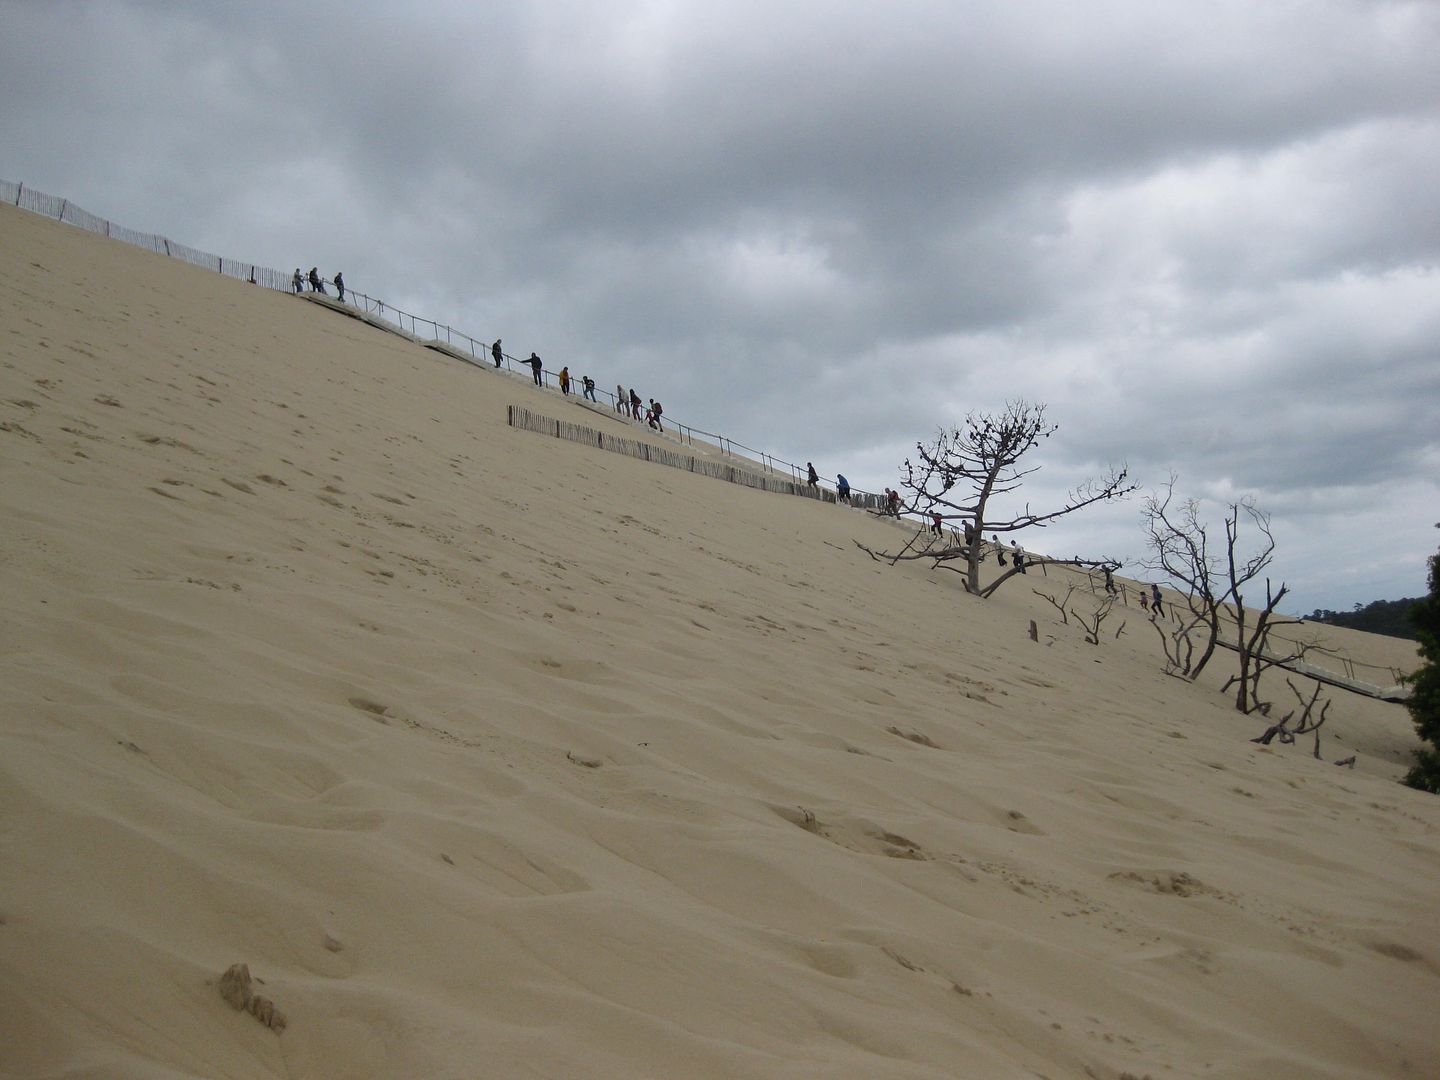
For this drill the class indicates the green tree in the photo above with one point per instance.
(1424, 703)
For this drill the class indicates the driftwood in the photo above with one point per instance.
(235, 988)
(1308, 723)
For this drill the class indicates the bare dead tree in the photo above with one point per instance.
(1180, 545)
(1261, 656)
(1307, 724)
(1058, 605)
(1212, 582)
(1179, 650)
(1091, 624)
(966, 468)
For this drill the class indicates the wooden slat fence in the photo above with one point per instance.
(520, 417)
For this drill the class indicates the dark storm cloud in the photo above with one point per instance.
(1206, 233)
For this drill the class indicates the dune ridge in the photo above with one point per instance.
(497, 755)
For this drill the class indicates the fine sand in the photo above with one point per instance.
(495, 755)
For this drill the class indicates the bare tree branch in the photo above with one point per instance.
(960, 474)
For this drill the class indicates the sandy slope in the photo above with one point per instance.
(498, 756)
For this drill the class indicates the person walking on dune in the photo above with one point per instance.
(340, 285)
(297, 282)
(589, 388)
(496, 354)
(565, 380)
(535, 367)
(634, 404)
(812, 478)
(620, 399)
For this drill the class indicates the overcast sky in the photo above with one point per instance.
(1205, 233)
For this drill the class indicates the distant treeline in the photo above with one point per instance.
(1389, 617)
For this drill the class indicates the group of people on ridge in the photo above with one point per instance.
(317, 283)
(625, 404)
(629, 404)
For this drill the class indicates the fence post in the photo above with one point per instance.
(19, 190)
(166, 242)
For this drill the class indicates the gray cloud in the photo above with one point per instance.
(1205, 234)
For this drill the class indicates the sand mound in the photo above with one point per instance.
(500, 755)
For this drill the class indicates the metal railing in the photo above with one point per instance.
(52, 206)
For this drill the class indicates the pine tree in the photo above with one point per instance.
(1424, 703)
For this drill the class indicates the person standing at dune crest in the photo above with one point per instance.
(535, 367)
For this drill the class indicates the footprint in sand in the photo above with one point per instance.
(1018, 822)
(860, 836)
(1168, 883)
(165, 440)
(374, 708)
(915, 737)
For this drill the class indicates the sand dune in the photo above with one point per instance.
(494, 755)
